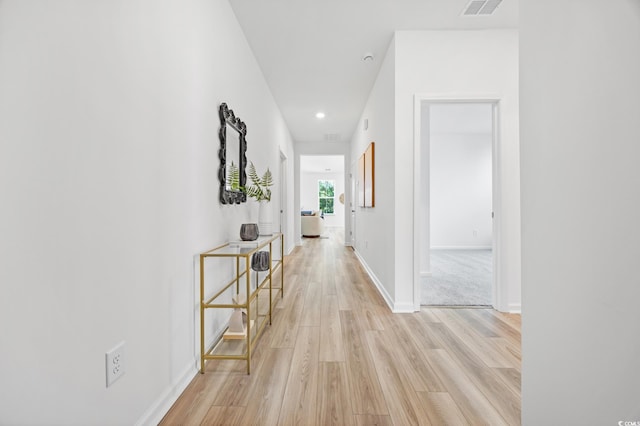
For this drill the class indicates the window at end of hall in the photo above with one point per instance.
(326, 196)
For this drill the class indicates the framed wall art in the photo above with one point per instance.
(366, 177)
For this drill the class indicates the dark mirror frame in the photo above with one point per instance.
(227, 117)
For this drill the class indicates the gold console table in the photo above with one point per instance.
(239, 346)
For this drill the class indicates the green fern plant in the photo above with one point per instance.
(233, 180)
(260, 188)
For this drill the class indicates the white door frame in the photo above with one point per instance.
(424, 98)
(283, 192)
(352, 203)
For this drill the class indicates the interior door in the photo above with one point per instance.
(352, 206)
(283, 192)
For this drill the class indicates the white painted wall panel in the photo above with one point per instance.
(375, 228)
(460, 190)
(108, 179)
(580, 203)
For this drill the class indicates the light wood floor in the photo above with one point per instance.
(336, 355)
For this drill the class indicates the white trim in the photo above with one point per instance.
(515, 308)
(283, 154)
(404, 308)
(424, 274)
(458, 98)
(283, 216)
(417, 182)
(353, 218)
(383, 291)
(498, 284)
(161, 406)
(396, 308)
(461, 247)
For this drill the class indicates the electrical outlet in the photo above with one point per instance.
(114, 360)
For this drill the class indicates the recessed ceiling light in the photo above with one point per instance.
(320, 115)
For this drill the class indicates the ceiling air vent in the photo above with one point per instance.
(332, 137)
(481, 7)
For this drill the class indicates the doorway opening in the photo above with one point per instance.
(457, 153)
(322, 192)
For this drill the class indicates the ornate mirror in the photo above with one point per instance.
(233, 159)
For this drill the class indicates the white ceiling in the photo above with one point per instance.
(322, 163)
(311, 51)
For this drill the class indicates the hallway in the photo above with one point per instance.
(335, 354)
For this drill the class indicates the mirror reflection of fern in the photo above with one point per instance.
(233, 180)
(260, 188)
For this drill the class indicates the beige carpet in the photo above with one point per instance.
(459, 278)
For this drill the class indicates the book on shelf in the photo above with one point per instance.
(230, 335)
(244, 244)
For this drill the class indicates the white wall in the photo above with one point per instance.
(580, 233)
(458, 65)
(309, 195)
(375, 226)
(460, 190)
(477, 65)
(108, 180)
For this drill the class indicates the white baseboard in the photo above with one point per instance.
(160, 408)
(461, 248)
(404, 308)
(396, 308)
(383, 291)
(425, 274)
(511, 308)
